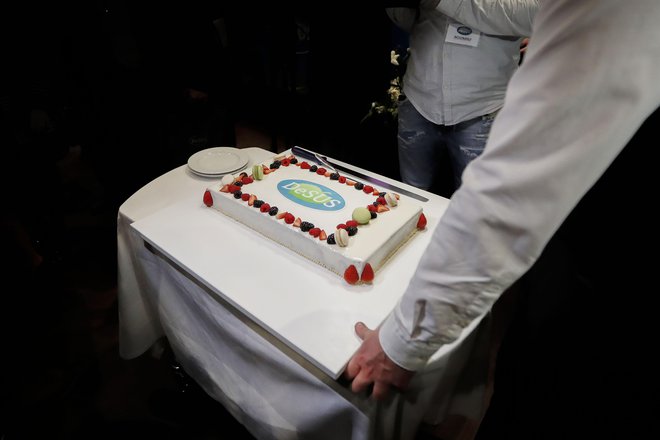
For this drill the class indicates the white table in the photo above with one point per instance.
(278, 386)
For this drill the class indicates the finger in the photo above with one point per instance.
(381, 391)
(362, 330)
(352, 369)
(360, 383)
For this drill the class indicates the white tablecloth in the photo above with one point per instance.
(267, 386)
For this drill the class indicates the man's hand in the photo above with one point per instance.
(370, 365)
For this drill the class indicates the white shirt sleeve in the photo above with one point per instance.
(591, 78)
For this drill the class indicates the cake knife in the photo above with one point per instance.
(322, 160)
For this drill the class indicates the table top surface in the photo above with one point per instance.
(310, 309)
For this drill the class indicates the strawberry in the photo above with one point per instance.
(208, 198)
(351, 275)
(367, 274)
(421, 223)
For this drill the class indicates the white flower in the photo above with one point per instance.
(394, 57)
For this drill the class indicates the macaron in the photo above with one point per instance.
(391, 199)
(257, 172)
(227, 179)
(361, 215)
(341, 237)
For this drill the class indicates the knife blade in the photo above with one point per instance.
(322, 160)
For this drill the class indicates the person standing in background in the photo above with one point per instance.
(457, 74)
(559, 204)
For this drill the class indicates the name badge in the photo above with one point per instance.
(461, 34)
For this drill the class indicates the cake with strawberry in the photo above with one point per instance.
(348, 227)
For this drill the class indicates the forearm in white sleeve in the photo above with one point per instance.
(589, 82)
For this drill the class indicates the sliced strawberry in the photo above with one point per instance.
(280, 215)
(208, 198)
(376, 192)
(382, 208)
(351, 275)
(350, 182)
(224, 189)
(421, 223)
(367, 274)
(252, 199)
(297, 222)
(323, 236)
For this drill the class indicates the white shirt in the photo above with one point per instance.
(591, 78)
(449, 82)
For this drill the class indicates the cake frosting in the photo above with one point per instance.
(348, 227)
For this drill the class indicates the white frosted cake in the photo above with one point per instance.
(348, 227)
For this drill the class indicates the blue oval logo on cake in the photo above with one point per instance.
(311, 194)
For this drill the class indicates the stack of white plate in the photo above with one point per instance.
(217, 161)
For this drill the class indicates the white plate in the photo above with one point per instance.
(216, 161)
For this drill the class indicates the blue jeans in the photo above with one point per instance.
(422, 143)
